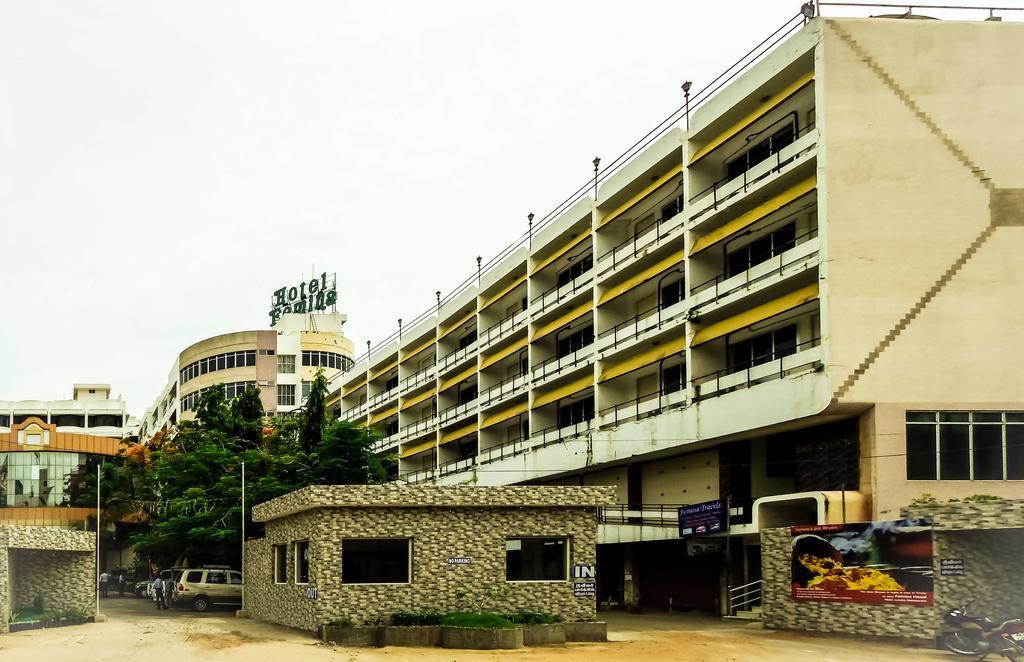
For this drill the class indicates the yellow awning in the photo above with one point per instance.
(641, 278)
(458, 433)
(417, 399)
(380, 416)
(564, 391)
(584, 234)
(457, 325)
(380, 371)
(414, 352)
(767, 207)
(651, 188)
(505, 290)
(418, 448)
(497, 356)
(756, 314)
(563, 320)
(455, 379)
(504, 415)
(652, 355)
(750, 118)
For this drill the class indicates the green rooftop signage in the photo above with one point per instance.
(316, 295)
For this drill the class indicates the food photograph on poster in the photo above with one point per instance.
(868, 562)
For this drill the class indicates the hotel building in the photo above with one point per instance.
(806, 304)
(281, 362)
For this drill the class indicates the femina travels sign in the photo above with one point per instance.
(315, 295)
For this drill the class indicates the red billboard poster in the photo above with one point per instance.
(887, 563)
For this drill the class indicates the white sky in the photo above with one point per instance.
(164, 166)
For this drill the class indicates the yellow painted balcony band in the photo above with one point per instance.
(652, 355)
(458, 433)
(766, 107)
(756, 314)
(641, 278)
(455, 379)
(380, 371)
(497, 356)
(505, 290)
(352, 388)
(457, 325)
(380, 416)
(584, 234)
(564, 391)
(418, 448)
(504, 415)
(416, 400)
(651, 188)
(747, 219)
(553, 326)
(414, 352)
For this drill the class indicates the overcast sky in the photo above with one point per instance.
(164, 166)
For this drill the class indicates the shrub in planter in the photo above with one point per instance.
(409, 618)
(476, 619)
(341, 631)
(524, 617)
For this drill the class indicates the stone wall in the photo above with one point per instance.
(437, 533)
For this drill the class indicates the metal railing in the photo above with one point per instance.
(506, 325)
(785, 259)
(509, 448)
(506, 387)
(651, 514)
(643, 406)
(455, 466)
(630, 246)
(385, 443)
(353, 412)
(652, 318)
(753, 374)
(457, 410)
(557, 364)
(748, 595)
(560, 292)
(556, 434)
(418, 476)
(422, 425)
(383, 397)
(454, 358)
(419, 378)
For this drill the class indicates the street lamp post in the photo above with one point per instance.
(597, 164)
(686, 102)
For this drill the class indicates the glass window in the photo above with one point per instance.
(954, 452)
(964, 445)
(286, 364)
(216, 577)
(536, 559)
(302, 562)
(234, 577)
(280, 564)
(1015, 452)
(921, 452)
(987, 452)
(193, 576)
(375, 560)
(286, 395)
(305, 389)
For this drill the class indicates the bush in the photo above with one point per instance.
(525, 617)
(473, 619)
(342, 622)
(416, 618)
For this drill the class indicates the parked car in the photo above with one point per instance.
(209, 585)
(142, 589)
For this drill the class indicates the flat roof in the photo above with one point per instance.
(432, 496)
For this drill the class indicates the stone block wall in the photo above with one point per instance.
(437, 532)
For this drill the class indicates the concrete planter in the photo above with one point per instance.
(481, 638)
(547, 634)
(585, 631)
(351, 635)
(51, 623)
(419, 636)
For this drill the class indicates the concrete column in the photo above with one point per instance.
(630, 579)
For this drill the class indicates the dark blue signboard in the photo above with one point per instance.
(701, 519)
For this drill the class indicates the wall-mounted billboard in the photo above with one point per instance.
(869, 562)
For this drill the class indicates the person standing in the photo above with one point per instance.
(120, 585)
(158, 591)
(104, 580)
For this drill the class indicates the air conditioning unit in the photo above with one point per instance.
(266, 383)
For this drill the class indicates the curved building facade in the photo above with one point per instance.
(281, 362)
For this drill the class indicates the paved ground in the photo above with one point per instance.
(135, 631)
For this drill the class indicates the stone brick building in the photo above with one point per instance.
(987, 537)
(365, 552)
(58, 565)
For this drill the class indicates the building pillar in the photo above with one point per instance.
(630, 578)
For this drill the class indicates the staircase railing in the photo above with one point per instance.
(748, 595)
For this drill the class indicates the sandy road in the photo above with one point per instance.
(137, 632)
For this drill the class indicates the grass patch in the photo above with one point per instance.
(471, 619)
(524, 617)
(342, 622)
(416, 618)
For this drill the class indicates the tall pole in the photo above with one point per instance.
(478, 260)
(243, 536)
(529, 221)
(98, 466)
(686, 102)
(597, 164)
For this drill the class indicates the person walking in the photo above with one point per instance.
(104, 580)
(158, 591)
(120, 585)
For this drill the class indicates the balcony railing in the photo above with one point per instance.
(506, 449)
(453, 359)
(457, 411)
(419, 378)
(501, 390)
(455, 466)
(542, 303)
(385, 443)
(724, 189)
(418, 476)
(383, 397)
(805, 358)
(419, 427)
(353, 413)
(647, 320)
(643, 406)
(630, 247)
(499, 329)
(647, 514)
(556, 434)
(557, 364)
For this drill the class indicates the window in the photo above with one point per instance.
(234, 577)
(468, 339)
(218, 362)
(391, 427)
(762, 348)
(193, 577)
(280, 564)
(672, 208)
(302, 562)
(580, 266)
(216, 577)
(285, 395)
(286, 364)
(375, 560)
(305, 389)
(576, 412)
(672, 293)
(326, 360)
(761, 249)
(467, 393)
(673, 378)
(767, 146)
(536, 559)
(964, 445)
(391, 382)
(575, 341)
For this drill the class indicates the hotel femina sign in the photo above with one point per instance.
(316, 295)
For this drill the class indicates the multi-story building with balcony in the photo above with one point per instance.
(281, 362)
(804, 302)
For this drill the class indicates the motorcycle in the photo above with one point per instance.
(970, 634)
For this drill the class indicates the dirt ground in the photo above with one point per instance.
(135, 631)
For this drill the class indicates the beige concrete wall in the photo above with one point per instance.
(688, 479)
